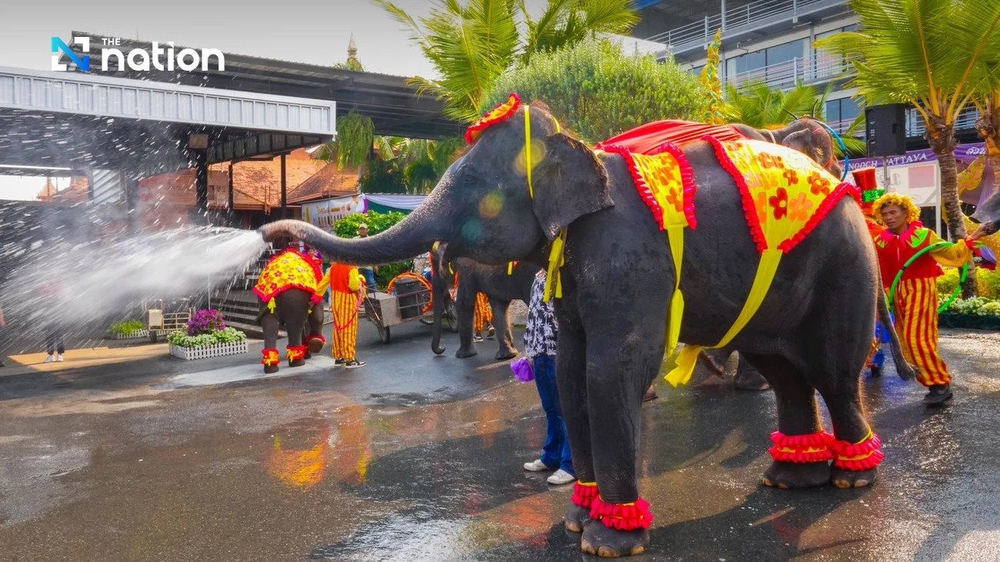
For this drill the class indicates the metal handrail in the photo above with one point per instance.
(787, 74)
(735, 18)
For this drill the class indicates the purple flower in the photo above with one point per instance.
(522, 370)
(205, 322)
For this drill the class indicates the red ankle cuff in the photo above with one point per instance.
(813, 447)
(858, 457)
(622, 516)
(316, 337)
(271, 357)
(584, 493)
(296, 352)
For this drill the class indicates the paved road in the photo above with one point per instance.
(417, 458)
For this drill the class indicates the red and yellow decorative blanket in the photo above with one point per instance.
(288, 270)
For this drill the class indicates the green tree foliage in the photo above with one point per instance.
(383, 176)
(597, 91)
(471, 44)
(347, 227)
(353, 145)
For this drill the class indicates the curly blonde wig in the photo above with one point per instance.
(904, 202)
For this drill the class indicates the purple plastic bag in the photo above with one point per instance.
(522, 370)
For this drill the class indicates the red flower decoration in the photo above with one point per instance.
(798, 208)
(498, 114)
(791, 176)
(780, 203)
(818, 184)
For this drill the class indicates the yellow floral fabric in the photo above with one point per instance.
(289, 270)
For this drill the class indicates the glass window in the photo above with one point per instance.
(785, 52)
(697, 70)
(849, 109)
(832, 111)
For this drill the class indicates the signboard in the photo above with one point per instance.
(326, 212)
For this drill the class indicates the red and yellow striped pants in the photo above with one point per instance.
(484, 314)
(345, 325)
(917, 324)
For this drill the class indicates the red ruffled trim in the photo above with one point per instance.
(316, 337)
(687, 180)
(622, 516)
(858, 457)
(748, 204)
(296, 352)
(584, 494)
(813, 447)
(270, 357)
(640, 184)
(824, 209)
(472, 133)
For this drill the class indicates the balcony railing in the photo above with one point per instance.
(754, 14)
(915, 126)
(784, 75)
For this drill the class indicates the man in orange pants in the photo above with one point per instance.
(916, 299)
(483, 316)
(347, 287)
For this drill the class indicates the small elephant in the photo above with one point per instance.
(289, 299)
(501, 283)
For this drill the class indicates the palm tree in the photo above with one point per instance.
(988, 126)
(471, 45)
(931, 54)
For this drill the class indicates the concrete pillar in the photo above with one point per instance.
(230, 207)
(201, 181)
(284, 189)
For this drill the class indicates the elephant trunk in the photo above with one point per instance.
(412, 236)
(903, 369)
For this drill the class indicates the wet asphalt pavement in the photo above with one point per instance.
(418, 458)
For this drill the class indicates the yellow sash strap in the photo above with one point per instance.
(769, 260)
(556, 261)
(510, 268)
(271, 305)
(675, 235)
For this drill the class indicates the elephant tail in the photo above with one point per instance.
(903, 369)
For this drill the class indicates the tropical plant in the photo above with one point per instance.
(353, 145)
(472, 44)
(987, 282)
(597, 91)
(975, 306)
(932, 54)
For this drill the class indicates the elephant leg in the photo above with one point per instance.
(620, 367)
(571, 369)
(798, 420)
(749, 378)
(270, 325)
(505, 339)
(294, 308)
(314, 325)
(465, 307)
(857, 451)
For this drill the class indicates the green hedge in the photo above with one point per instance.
(180, 338)
(347, 227)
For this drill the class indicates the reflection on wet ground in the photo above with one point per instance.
(322, 466)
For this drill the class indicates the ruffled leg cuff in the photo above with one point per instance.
(858, 457)
(271, 357)
(813, 447)
(622, 516)
(584, 493)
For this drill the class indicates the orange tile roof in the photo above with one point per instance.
(78, 190)
(328, 182)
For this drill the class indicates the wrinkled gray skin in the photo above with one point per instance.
(474, 278)
(812, 333)
(298, 316)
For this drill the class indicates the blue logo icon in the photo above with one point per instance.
(81, 62)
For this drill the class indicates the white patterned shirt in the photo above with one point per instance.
(540, 330)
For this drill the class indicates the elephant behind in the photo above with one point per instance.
(501, 283)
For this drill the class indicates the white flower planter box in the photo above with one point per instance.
(217, 350)
(136, 335)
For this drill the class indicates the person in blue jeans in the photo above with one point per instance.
(540, 346)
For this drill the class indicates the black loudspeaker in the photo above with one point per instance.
(885, 130)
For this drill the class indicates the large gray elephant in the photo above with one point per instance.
(811, 333)
(500, 284)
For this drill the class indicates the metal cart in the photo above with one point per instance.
(408, 304)
(160, 322)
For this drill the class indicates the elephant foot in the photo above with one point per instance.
(270, 369)
(465, 353)
(315, 346)
(505, 355)
(747, 378)
(297, 363)
(578, 518)
(308, 355)
(852, 479)
(789, 475)
(609, 543)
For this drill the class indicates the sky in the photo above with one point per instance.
(309, 31)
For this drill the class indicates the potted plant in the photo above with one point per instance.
(206, 336)
(128, 330)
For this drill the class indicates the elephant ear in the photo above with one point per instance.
(568, 183)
